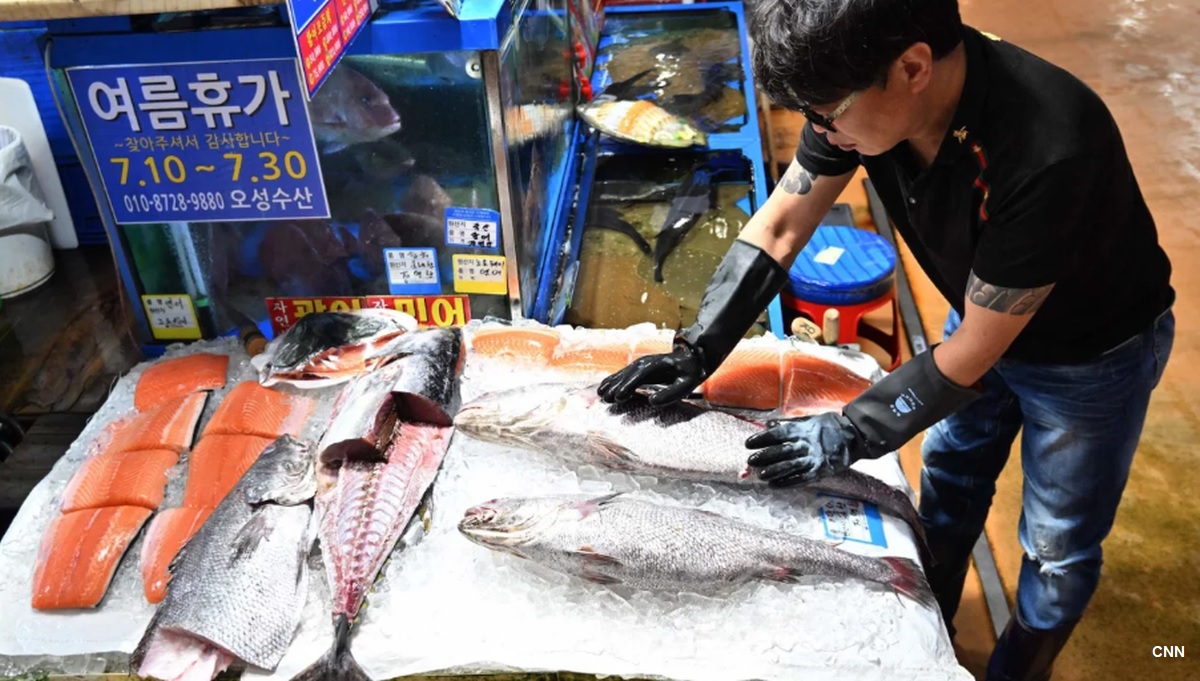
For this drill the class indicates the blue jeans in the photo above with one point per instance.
(1081, 425)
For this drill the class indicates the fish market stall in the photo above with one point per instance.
(433, 452)
(427, 174)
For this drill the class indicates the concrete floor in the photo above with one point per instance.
(1143, 58)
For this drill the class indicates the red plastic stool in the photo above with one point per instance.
(851, 324)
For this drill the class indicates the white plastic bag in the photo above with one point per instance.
(21, 199)
(26, 256)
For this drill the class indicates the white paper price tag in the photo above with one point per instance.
(472, 227)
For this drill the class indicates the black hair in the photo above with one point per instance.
(814, 52)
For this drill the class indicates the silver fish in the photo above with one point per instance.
(686, 440)
(238, 586)
(328, 348)
(621, 540)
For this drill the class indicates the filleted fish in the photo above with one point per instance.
(238, 586)
(328, 348)
(392, 432)
(617, 539)
(641, 122)
(685, 440)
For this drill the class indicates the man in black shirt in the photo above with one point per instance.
(1009, 180)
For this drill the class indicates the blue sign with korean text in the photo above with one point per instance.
(204, 141)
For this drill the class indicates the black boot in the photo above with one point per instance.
(1025, 654)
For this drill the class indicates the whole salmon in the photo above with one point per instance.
(621, 540)
(685, 440)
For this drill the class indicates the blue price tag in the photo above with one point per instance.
(852, 520)
(473, 227)
(205, 141)
(412, 271)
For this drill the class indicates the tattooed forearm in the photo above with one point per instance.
(797, 180)
(1017, 301)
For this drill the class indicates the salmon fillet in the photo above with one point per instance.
(79, 554)
(170, 425)
(216, 464)
(650, 346)
(606, 358)
(516, 343)
(750, 378)
(251, 409)
(174, 378)
(812, 385)
(797, 383)
(120, 479)
(165, 535)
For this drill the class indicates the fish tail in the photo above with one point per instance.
(907, 579)
(337, 664)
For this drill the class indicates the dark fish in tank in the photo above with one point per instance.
(716, 78)
(696, 196)
(351, 109)
(626, 89)
(606, 217)
(425, 196)
(416, 230)
(374, 235)
(305, 257)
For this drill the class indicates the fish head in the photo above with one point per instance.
(351, 109)
(513, 415)
(284, 474)
(507, 524)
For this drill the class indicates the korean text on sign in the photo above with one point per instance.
(427, 310)
(480, 274)
(474, 227)
(171, 317)
(323, 29)
(209, 141)
(412, 271)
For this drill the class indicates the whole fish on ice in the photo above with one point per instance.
(378, 460)
(238, 586)
(621, 540)
(328, 348)
(684, 440)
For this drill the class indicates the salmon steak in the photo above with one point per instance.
(171, 379)
(165, 535)
(251, 409)
(120, 479)
(216, 465)
(170, 425)
(79, 554)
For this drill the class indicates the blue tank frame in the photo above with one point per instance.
(747, 140)
(102, 41)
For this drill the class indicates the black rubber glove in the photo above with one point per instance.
(880, 420)
(744, 283)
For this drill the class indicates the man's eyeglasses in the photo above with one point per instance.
(827, 121)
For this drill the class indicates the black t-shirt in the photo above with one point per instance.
(1031, 186)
